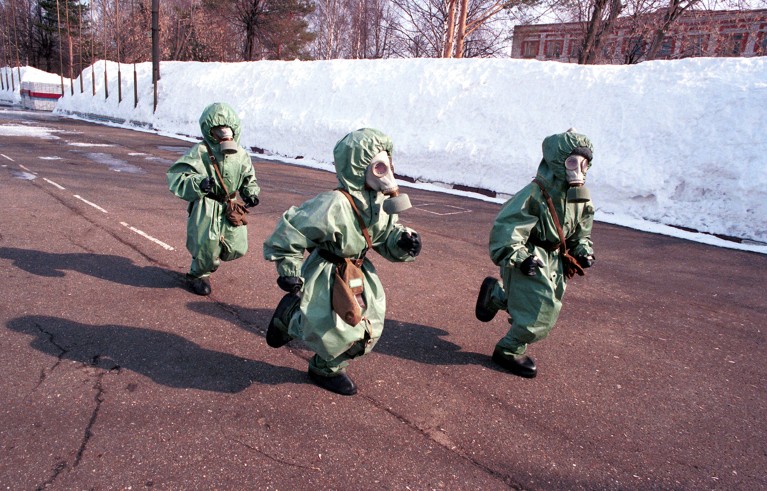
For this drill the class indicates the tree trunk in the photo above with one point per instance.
(673, 11)
(461, 29)
(597, 27)
(447, 49)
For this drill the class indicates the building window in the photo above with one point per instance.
(635, 49)
(695, 44)
(553, 49)
(732, 44)
(608, 50)
(666, 47)
(576, 48)
(761, 45)
(530, 49)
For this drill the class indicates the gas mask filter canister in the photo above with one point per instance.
(225, 137)
(575, 168)
(379, 176)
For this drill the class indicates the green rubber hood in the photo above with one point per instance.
(219, 114)
(556, 148)
(353, 153)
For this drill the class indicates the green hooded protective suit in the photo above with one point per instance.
(327, 222)
(525, 227)
(210, 237)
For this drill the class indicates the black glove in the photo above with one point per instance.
(251, 202)
(291, 284)
(530, 265)
(206, 185)
(410, 243)
(585, 261)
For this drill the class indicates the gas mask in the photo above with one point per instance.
(575, 168)
(379, 176)
(225, 138)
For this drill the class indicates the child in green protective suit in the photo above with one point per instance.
(526, 241)
(211, 237)
(336, 226)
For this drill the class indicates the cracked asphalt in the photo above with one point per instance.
(114, 376)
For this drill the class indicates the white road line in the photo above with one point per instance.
(89, 203)
(147, 236)
(53, 183)
(422, 208)
(28, 170)
(133, 229)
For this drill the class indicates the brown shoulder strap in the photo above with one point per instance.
(359, 217)
(215, 166)
(553, 211)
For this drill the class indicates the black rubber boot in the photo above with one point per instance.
(484, 309)
(340, 384)
(200, 286)
(277, 333)
(520, 365)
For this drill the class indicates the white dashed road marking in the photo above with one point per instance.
(458, 209)
(94, 205)
(147, 236)
(53, 183)
(89, 203)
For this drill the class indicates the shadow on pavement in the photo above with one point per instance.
(424, 344)
(166, 358)
(116, 269)
(415, 342)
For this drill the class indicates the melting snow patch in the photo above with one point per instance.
(27, 176)
(114, 164)
(31, 131)
(49, 158)
(83, 144)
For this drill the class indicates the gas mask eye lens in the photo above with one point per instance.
(572, 163)
(379, 169)
(221, 133)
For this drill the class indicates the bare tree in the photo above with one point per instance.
(422, 28)
(672, 12)
(266, 25)
(474, 17)
(453, 28)
(330, 23)
(370, 28)
(603, 14)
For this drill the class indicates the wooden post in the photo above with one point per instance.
(119, 70)
(106, 80)
(61, 58)
(155, 48)
(71, 57)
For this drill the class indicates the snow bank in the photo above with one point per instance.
(676, 142)
(10, 92)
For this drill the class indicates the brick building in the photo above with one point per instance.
(698, 33)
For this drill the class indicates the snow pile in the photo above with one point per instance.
(676, 142)
(11, 89)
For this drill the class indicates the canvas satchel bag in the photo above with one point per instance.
(347, 299)
(570, 266)
(234, 210)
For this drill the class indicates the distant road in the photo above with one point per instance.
(115, 376)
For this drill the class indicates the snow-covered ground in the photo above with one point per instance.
(677, 143)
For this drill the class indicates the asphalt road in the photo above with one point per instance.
(114, 376)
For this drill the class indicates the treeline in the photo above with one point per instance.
(63, 36)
